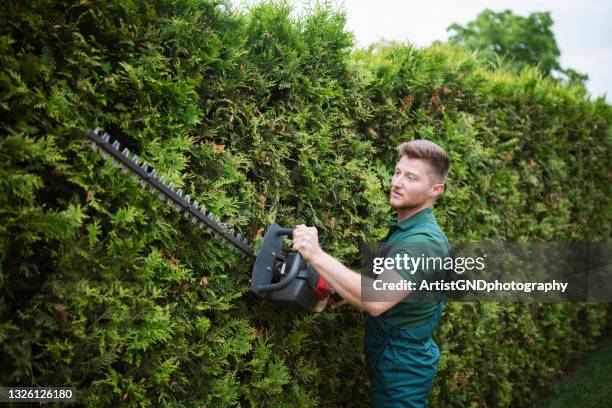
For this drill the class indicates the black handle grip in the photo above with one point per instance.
(295, 268)
(285, 231)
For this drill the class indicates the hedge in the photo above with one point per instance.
(264, 117)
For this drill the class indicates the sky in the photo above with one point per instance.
(583, 29)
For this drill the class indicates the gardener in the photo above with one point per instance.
(402, 358)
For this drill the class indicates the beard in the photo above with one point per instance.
(405, 203)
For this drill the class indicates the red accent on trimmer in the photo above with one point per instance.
(322, 289)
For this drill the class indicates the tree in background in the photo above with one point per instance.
(520, 40)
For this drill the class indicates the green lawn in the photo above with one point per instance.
(590, 386)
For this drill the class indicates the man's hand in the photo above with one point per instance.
(306, 241)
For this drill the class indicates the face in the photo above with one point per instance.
(411, 186)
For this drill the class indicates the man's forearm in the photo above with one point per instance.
(348, 284)
(345, 282)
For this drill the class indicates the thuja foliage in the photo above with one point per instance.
(265, 118)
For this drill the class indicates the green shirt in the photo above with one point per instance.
(423, 230)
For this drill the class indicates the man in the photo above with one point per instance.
(402, 358)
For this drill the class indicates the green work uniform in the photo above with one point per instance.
(401, 357)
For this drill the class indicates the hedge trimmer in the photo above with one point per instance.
(280, 277)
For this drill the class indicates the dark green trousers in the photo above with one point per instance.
(401, 363)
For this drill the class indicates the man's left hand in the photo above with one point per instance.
(306, 241)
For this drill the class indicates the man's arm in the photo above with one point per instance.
(346, 282)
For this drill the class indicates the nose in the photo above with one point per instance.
(395, 181)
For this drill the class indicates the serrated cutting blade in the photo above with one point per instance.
(191, 209)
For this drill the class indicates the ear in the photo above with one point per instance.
(437, 189)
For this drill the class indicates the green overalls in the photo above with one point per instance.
(402, 361)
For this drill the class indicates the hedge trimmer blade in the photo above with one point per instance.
(172, 197)
(280, 277)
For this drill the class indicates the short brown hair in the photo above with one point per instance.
(429, 152)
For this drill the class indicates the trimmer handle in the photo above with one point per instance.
(295, 268)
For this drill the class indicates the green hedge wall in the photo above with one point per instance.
(263, 117)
